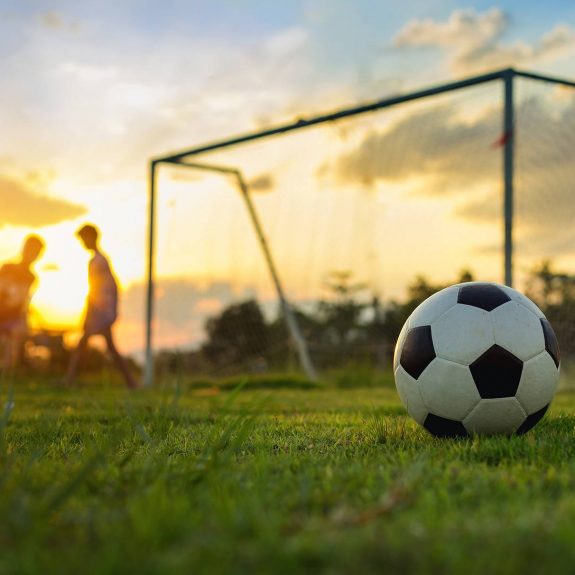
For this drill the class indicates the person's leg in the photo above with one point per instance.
(75, 359)
(15, 343)
(119, 360)
(6, 346)
(12, 341)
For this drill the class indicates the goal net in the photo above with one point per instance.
(545, 204)
(362, 217)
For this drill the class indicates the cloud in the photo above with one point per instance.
(57, 22)
(98, 98)
(473, 40)
(262, 183)
(441, 152)
(86, 72)
(545, 172)
(52, 20)
(435, 144)
(24, 205)
(463, 28)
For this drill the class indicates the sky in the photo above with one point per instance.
(92, 90)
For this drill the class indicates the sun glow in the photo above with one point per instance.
(62, 285)
(59, 301)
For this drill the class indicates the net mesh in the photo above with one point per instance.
(362, 216)
(544, 204)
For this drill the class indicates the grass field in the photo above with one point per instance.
(274, 480)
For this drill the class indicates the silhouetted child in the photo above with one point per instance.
(16, 281)
(101, 307)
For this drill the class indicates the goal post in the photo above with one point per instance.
(188, 159)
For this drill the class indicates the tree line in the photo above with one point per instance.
(349, 326)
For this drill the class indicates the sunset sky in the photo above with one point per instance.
(91, 90)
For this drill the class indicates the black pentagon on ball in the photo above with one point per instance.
(532, 420)
(443, 427)
(551, 344)
(418, 351)
(484, 296)
(496, 373)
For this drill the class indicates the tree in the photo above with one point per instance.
(341, 313)
(238, 336)
(550, 288)
(554, 292)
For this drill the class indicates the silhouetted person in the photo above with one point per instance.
(101, 307)
(16, 281)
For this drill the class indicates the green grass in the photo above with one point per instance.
(274, 480)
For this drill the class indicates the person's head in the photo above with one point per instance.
(88, 235)
(32, 248)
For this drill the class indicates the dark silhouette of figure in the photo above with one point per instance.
(16, 281)
(101, 307)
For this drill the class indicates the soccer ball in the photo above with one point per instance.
(477, 358)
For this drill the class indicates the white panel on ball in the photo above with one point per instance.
(518, 330)
(462, 334)
(433, 307)
(538, 383)
(448, 389)
(495, 416)
(408, 390)
(523, 300)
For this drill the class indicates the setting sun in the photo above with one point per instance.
(62, 284)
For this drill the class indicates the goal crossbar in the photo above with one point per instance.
(179, 156)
